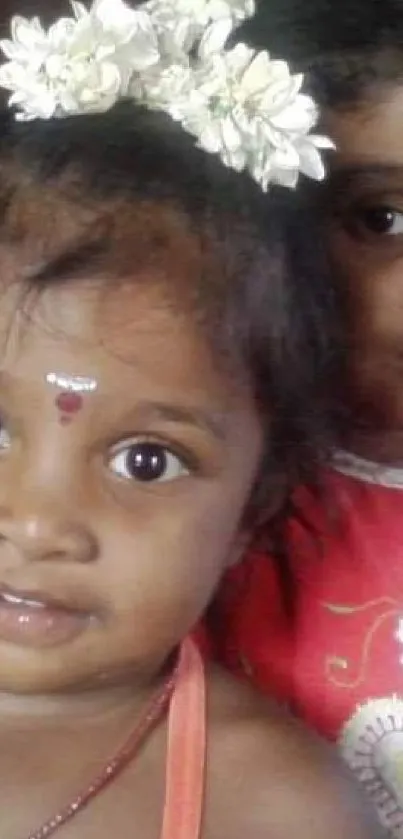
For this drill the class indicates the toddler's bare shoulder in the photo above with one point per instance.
(268, 777)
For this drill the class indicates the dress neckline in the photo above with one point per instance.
(367, 471)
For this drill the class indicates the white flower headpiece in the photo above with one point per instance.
(170, 55)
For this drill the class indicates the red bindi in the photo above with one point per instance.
(70, 389)
(68, 404)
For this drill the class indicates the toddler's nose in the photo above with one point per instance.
(39, 531)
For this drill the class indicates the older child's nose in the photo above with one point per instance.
(36, 529)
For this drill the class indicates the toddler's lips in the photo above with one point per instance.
(32, 620)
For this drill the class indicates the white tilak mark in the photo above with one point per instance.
(73, 384)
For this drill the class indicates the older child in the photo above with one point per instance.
(334, 649)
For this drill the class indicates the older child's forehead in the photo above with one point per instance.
(370, 133)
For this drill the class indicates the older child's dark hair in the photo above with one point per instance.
(260, 294)
(347, 47)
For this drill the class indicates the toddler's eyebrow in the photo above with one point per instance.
(214, 422)
(211, 421)
(68, 263)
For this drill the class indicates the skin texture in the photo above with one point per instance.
(365, 208)
(141, 561)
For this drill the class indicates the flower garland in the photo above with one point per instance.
(170, 55)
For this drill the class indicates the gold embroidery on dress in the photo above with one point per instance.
(335, 665)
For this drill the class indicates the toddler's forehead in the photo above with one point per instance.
(117, 274)
(125, 333)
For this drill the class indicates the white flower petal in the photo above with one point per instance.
(28, 33)
(17, 99)
(12, 76)
(42, 107)
(238, 58)
(257, 74)
(114, 14)
(60, 34)
(79, 9)
(215, 38)
(178, 41)
(11, 50)
(110, 78)
(244, 123)
(238, 10)
(231, 136)
(322, 142)
(210, 139)
(278, 95)
(279, 70)
(295, 118)
(235, 159)
(7, 76)
(311, 163)
(286, 177)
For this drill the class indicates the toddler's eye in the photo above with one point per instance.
(379, 221)
(147, 463)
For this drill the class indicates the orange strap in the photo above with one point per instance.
(186, 749)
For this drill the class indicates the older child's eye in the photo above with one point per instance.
(379, 221)
(147, 463)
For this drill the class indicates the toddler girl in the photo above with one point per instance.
(161, 326)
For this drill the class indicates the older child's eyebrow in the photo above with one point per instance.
(366, 173)
(211, 421)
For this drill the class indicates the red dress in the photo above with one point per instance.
(338, 661)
